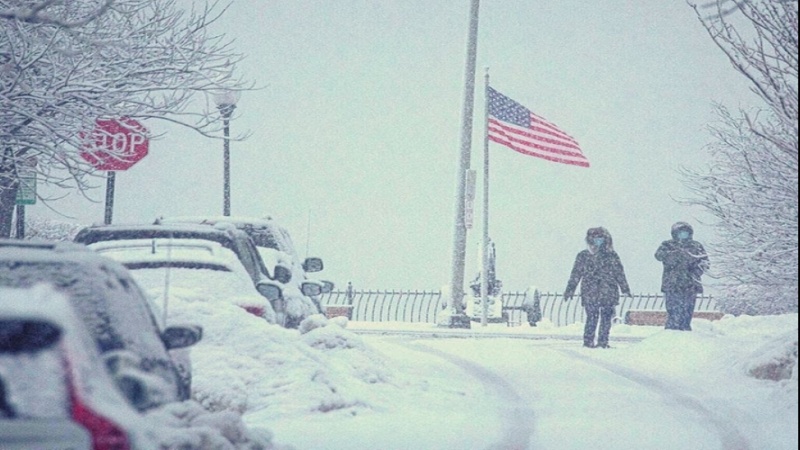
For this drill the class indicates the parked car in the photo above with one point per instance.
(55, 392)
(274, 243)
(196, 266)
(114, 310)
(227, 236)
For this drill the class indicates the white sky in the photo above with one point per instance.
(357, 127)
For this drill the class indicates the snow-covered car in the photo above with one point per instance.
(113, 308)
(164, 267)
(189, 268)
(274, 243)
(228, 237)
(55, 392)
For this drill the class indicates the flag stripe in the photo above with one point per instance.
(535, 135)
(526, 148)
(524, 137)
(516, 127)
(549, 128)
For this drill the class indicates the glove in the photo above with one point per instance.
(567, 297)
(628, 294)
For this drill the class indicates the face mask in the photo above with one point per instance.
(598, 241)
(683, 235)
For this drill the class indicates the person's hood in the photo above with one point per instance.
(680, 226)
(601, 232)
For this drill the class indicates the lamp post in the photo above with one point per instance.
(226, 103)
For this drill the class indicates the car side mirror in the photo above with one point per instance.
(282, 274)
(181, 336)
(269, 290)
(311, 289)
(312, 265)
(327, 286)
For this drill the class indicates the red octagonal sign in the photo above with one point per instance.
(115, 144)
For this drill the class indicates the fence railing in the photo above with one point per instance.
(424, 306)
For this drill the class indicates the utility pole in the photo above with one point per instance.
(459, 318)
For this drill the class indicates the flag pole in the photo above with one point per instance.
(485, 242)
(458, 318)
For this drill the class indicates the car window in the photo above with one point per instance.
(290, 249)
(251, 253)
(264, 237)
(289, 245)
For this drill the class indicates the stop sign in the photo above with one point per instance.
(115, 144)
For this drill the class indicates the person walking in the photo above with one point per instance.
(599, 271)
(684, 260)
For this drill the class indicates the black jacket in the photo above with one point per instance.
(684, 263)
(601, 276)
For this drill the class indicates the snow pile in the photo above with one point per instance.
(324, 376)
(742, 360)
(244, 364)
(187, 425)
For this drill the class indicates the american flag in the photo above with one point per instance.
(516, 127)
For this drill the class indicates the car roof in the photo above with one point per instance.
(236, 220)
(223, 235)
(227, 235)
(265, 232)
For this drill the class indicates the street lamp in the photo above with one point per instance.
(226, 103)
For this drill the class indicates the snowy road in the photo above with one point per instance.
(558, 395)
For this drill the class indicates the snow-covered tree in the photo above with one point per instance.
(66, 63)
(751, 187)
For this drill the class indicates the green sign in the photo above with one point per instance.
(26, 192)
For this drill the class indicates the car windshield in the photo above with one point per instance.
(265, 237)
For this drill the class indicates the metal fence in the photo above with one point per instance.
(424, 306)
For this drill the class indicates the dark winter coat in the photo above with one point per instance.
(601, 276)
(684, 262)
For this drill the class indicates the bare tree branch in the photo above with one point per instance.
(751, 188)
(38, 13)
(64, 64)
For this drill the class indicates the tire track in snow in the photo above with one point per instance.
(518, 415)
(729, 435)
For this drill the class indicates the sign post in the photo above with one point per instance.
(114, 144)
(26, 191)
